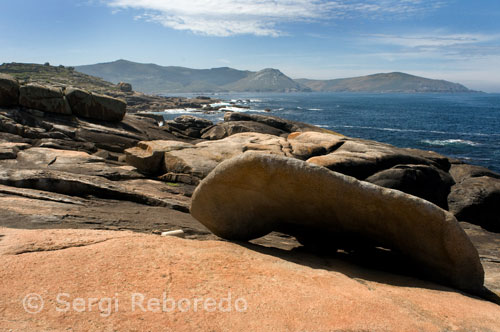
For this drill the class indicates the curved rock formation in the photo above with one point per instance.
(253, 194)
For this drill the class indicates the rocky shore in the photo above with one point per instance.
(344, 226)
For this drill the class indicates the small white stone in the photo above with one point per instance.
(177, 233)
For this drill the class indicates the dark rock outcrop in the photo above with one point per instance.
(188, 126)
(253, 194)
(125, 87)
(94, 106)
(272, 121)
(475, 197)
(461, 172)
(427, 182)
(9, 91)
(43, 98)
(477, 201)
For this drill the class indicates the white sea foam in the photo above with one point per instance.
(314, 109)
(419, 131)
(220, 104)
(450, 142)
(180, 110)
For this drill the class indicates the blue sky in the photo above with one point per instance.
(456, 40)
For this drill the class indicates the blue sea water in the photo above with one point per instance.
(464, 126)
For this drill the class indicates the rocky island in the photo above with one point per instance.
(279, 219)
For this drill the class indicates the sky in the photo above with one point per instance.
(455, 40)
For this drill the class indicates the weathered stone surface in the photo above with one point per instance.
(225, 129)
(40, 209)
(72, 184)
(488, 245)
(95, 106)
(361, 158)
(147, 157)
(65, 144)
(274, 288)
(427, 182)
(251, 195)
(9, 91)
(461, 172)
(190, 121)
(187, 126)
(308, 144)
(77, 162)
(43, 98)
(477, 201)
(9, 150)
(73, 133)
(200, 159)
(272, 121)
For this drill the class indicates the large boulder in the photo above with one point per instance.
(95, 106)
(44, 98)
(362, 158)
(477, 201)
(226, 129)
(200, 159)
(461, 172)
(249, 196)
(427, 182)
(9, 91)
(147, 156)
(309, 144)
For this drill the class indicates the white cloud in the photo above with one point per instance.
(261, 17)
(434, 40)
(438, 45)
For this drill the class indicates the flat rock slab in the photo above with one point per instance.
(77, 162)
(270, 290)
(253, 194)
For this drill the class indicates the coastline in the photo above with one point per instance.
(66, 180)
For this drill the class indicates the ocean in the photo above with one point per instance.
(464, 126)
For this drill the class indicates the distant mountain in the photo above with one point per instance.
(384, 83)
(266, 80)
(151, 78)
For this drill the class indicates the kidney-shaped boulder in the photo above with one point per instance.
(251, 195)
